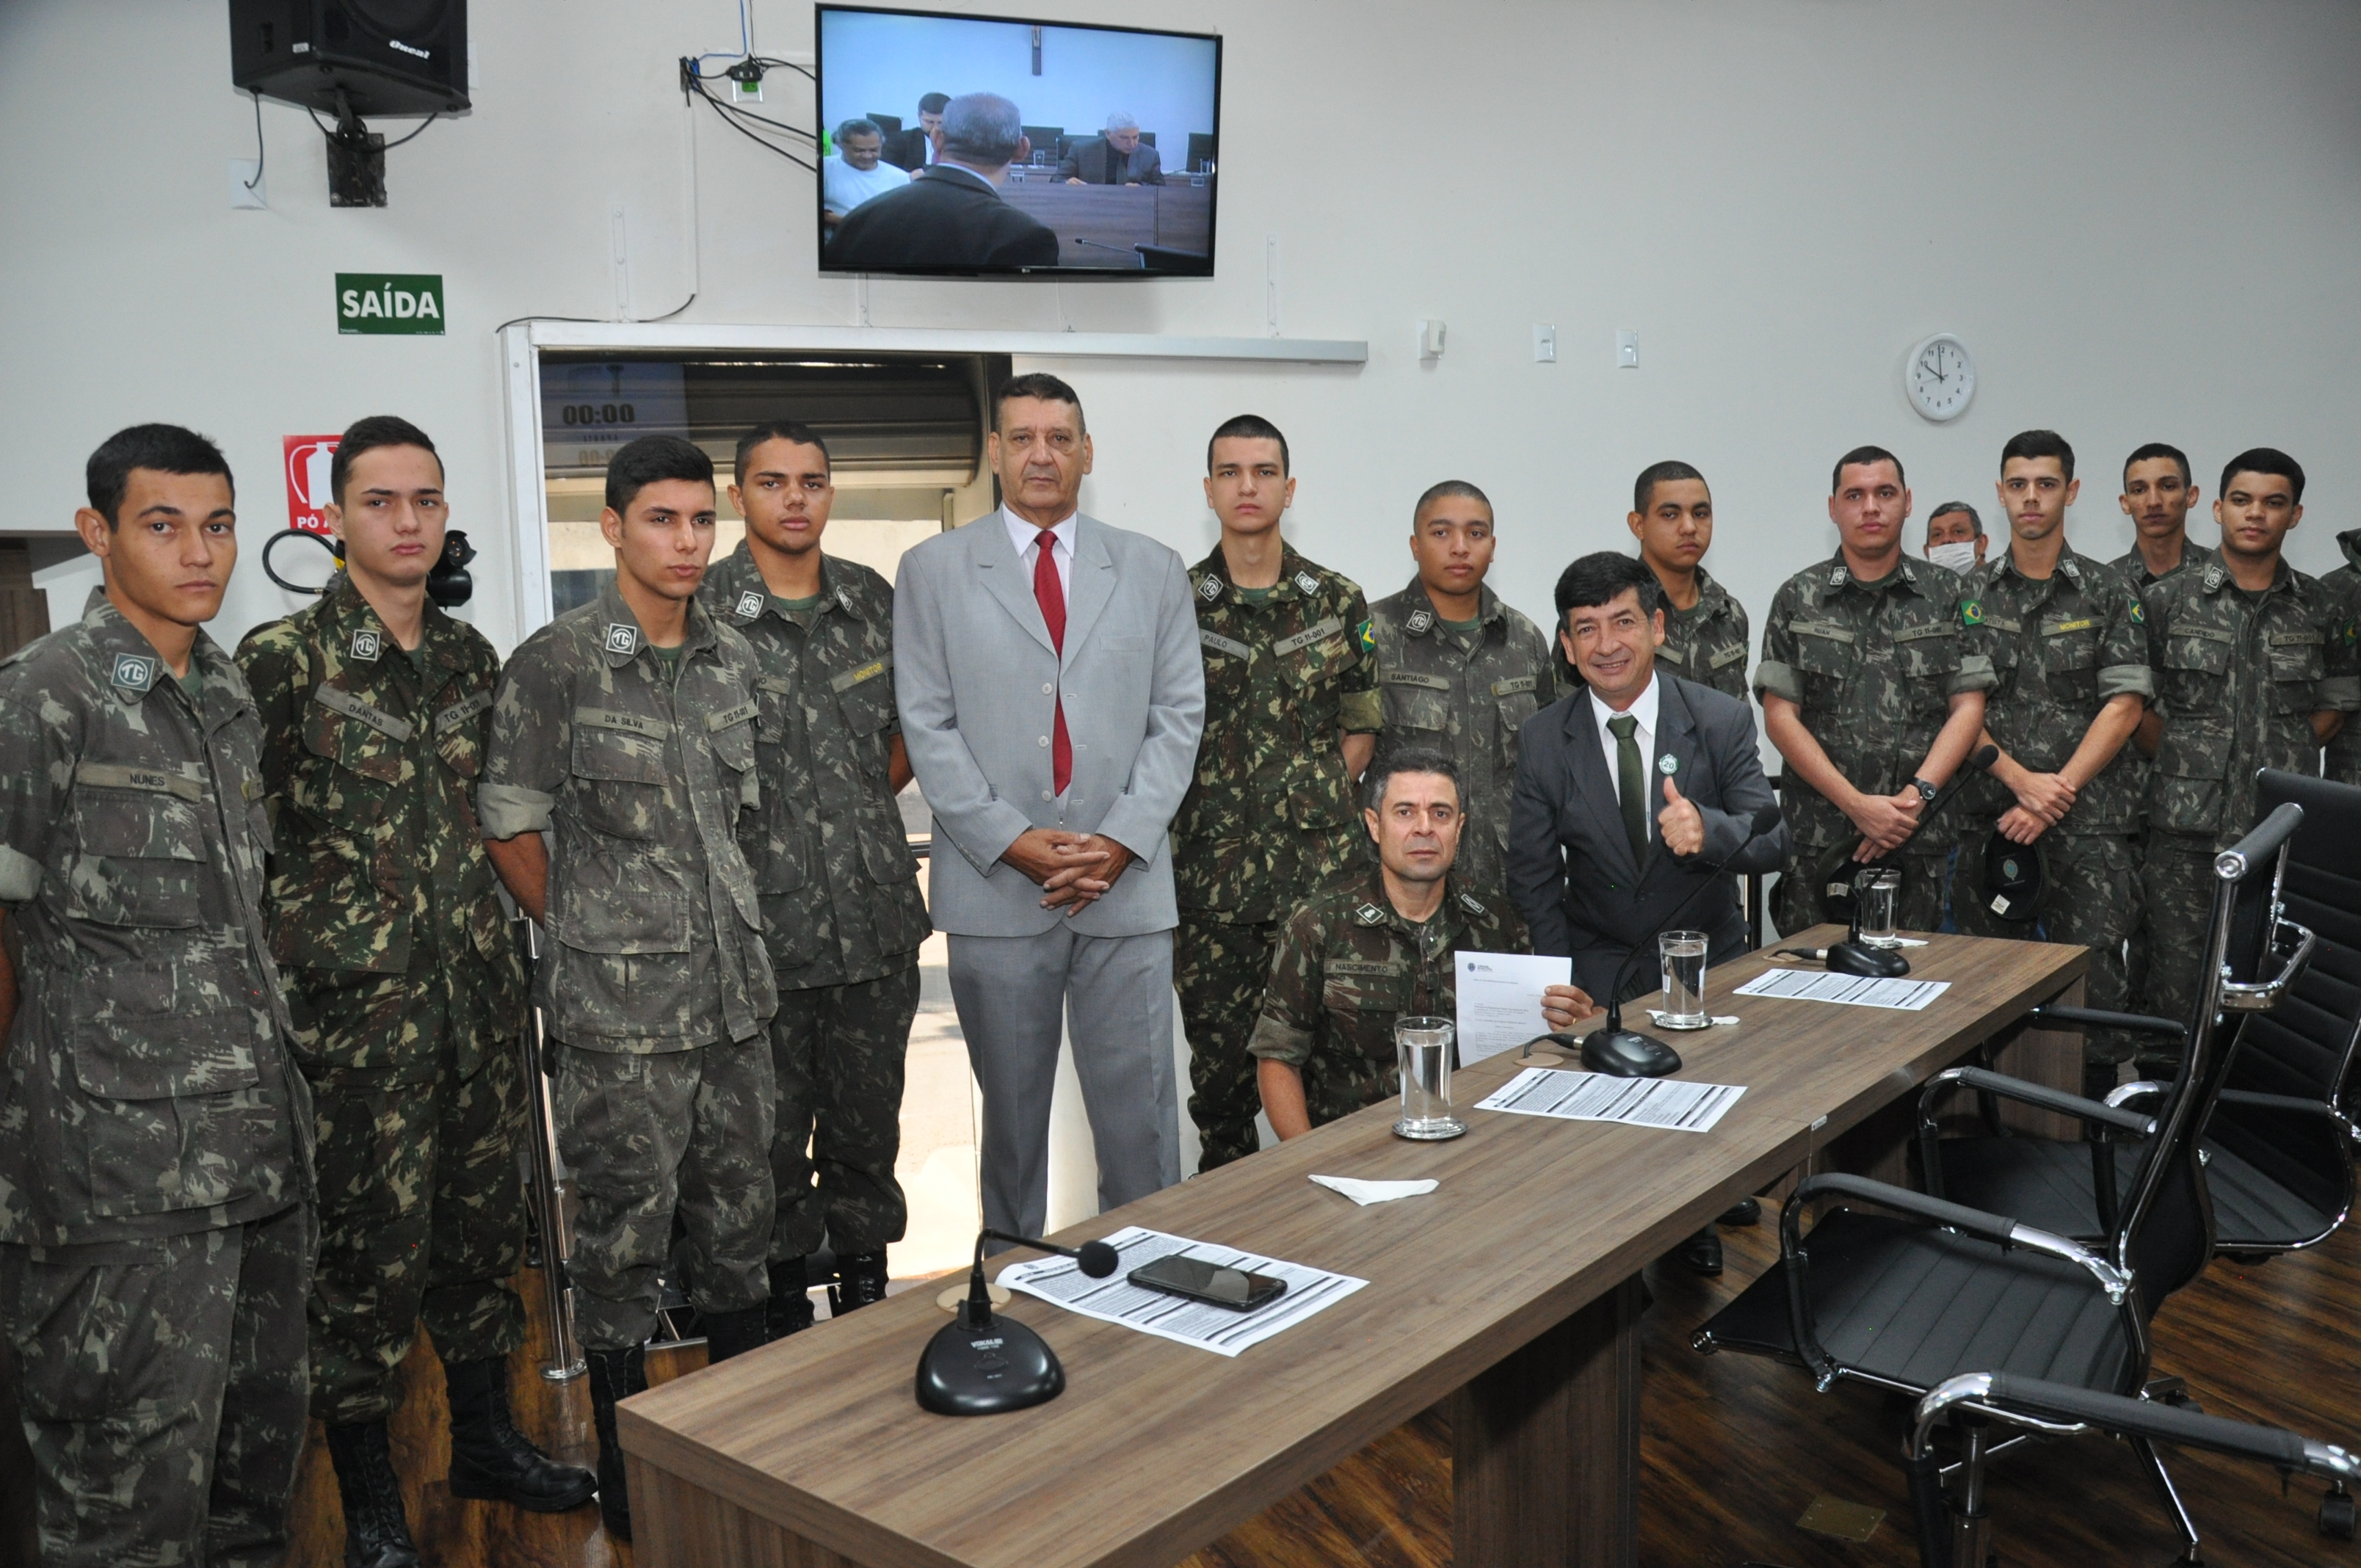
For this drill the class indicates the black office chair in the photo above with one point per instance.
(1048, 142)
(1201, 152)
(1907, 1300)
(2279, 1156)
(889, 124)
(1954, 1528)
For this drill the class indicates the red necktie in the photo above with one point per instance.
(1050, 594)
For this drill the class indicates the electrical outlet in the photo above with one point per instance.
(1544, 344)
(1429, 339)
(241, 194)
(1627, 351)
(745, 91)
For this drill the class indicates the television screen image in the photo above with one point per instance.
(982, 146)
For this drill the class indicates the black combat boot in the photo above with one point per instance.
(735, 1334)
(377, 1534)
(860, 1281)
(489, 1458)
(615, 1375)
(789, 1310)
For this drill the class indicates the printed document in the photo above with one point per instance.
(1596, 1097)
(1850, 989)
(1218, 1329)
(1500, 1000)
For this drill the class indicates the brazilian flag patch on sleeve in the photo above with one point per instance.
(1366, 638)
(1971, 611)
(2139, 613)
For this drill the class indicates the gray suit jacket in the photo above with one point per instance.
(977, 681)
(1571, 874)
(1089, 162)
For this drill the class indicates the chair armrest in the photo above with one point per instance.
(2096, 1018)
(2052, 1407)
(2295, 1102)
(2047, 1098)
(1996, 1228)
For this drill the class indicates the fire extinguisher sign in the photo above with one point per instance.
(307, 461)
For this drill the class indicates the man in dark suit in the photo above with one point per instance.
(951, 215)
(1627, 792)
(914, 148)
(1117, 157)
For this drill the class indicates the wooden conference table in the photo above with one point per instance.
(1511, 1292)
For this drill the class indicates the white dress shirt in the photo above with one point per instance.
(1026, 537)
(1644, 709)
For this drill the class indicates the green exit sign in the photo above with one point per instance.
(372, 302)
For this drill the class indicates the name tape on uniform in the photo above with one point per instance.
(339, 701)
(459, 712)
(1304, 639)
(118, 775)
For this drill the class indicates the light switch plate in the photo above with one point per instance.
(242, 169)
(1544, 344)
(1627, 351)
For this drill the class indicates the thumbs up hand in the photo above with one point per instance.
(1678, 825)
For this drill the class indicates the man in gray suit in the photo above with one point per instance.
(1627, 793)
(1116, 157)
(1051, 695)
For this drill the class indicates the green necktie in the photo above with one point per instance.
(1630, 784)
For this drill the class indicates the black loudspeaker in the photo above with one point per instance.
(388, 57)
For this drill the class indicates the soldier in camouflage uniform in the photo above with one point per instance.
(841, 913)
(156, 1223)
(406, 989)
(1872, 681)
(639, 756)
(2342, 757)
(1291, 710)
(2248, 677)
(1460, 671)
(2157, 498)
(1707, 637)
(1369, 949)
(2069, 647)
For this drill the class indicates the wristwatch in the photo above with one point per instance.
(1927, 792)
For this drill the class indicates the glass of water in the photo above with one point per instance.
(1879, 894)
(1682, 954)
(1423, 1047)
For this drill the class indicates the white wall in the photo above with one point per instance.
(2141, 215)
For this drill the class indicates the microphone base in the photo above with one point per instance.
(1871, 963)
(968, 1371)
(1627, 1053)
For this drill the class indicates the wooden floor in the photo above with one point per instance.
(1735, 1449)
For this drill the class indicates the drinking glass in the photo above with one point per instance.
(1423, 1047)
(1879, 893)
(1682, 956)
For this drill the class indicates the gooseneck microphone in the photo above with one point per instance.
(1853, 956)
(1626, 1053)
(980, 1364)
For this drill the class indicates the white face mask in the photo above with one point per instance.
(1960, 558)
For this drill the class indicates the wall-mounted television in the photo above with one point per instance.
(966, 146)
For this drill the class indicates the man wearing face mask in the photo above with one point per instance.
(1955, 538)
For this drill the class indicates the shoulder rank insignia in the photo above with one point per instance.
(366, 645)
(133, 672)
(1307, 582)
(622, 639)
(1971, 611)
(1369, 915)
(1366, 636)
(1420, 623)
(1208, 587)
(1467, 902)
(749, 605)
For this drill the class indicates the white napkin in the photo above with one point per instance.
(1659, 1014)
(1368, 1192)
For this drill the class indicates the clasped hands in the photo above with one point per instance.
(1075, 869)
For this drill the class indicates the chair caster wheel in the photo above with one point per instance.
(2336, 1518)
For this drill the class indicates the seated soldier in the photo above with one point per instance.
(1377, 946)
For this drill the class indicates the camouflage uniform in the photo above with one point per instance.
(1462, 694)
(2342, 757)
(2062, 648)
(842, 912)
(656, 983)
(2237, 682)
(1347, 966)
(1708, 641)
(404, 984)
(1271, 816)
(156, 1223)
(2139, 770)
(1873, 667)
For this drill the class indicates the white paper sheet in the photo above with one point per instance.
(1667, 1102)
(1365, 1192)
(1500, 1000)
(1847, 990)
(1218, 1329)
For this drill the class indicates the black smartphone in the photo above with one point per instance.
(1211, 1283)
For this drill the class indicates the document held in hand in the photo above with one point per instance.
(1500, 1000)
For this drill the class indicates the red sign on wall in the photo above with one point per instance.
(306, 463)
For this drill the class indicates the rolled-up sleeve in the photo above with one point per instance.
(532, 725)
(1290, 1005)
(31, 762)
(1777, 677)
